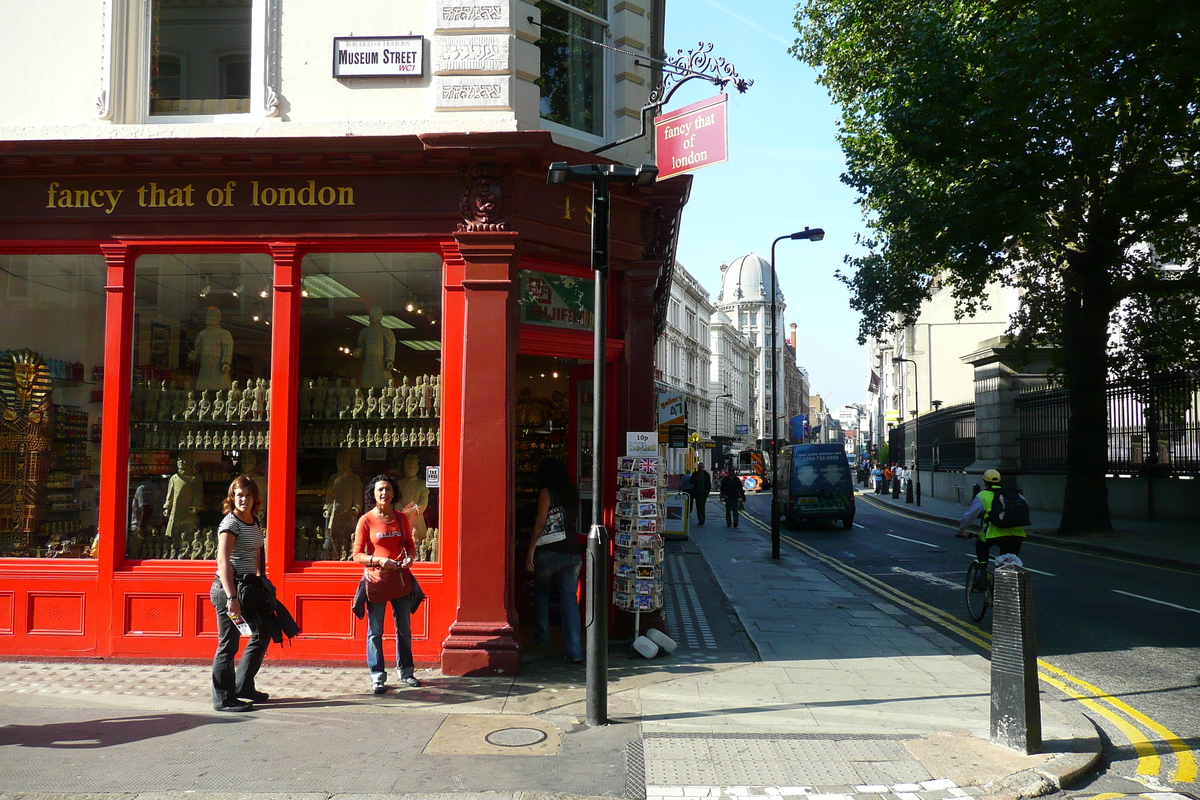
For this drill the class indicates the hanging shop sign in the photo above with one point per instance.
(695, 136)
(559, 301)
(672, 410)
(677, 435)
(378, 56)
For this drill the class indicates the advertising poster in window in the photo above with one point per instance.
(559, 301)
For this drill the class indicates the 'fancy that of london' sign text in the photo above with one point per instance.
(378, 57)
(692, 137)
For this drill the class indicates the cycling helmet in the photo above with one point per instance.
(991, 476)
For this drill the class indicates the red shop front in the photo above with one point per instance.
(312, 312)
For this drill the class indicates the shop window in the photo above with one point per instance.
(200, 401)
(572, 68)
(51, 369)
(370, 394)
(201, 36)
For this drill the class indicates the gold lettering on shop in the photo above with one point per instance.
(159, 195)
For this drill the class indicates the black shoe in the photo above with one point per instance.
(379, 688)
(255, 696)
(412, 681)
(235, 705)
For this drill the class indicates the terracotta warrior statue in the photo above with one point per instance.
(343, 503)
(185, 496)
(214, 352)
(377, 348)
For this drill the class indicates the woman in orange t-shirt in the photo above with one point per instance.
(383, 543)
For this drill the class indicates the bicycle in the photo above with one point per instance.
(980, 582)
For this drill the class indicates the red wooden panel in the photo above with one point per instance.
(8, 601)
(153, 615)
(55, 612)
(206, 617)
(324, 616)
(420, 623)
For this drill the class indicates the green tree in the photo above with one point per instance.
(1052, 145)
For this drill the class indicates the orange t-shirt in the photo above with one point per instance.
(391, 540)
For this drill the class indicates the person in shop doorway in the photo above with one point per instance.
(239, 566)
(384, 545)
(555, 557)
(701, 488)
(733, 494)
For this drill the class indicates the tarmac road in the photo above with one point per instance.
(1123, 626)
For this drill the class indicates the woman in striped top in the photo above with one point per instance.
(239, 554)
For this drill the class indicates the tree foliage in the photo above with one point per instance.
(1050, 145)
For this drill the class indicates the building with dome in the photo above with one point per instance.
(746, 300)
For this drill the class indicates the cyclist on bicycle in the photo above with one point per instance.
(1008, 539)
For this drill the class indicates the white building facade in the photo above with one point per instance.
(683, 361)
(745, 298)
(732, 378)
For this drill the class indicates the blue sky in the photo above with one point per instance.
(782, 175)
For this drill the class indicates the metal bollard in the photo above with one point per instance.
(895, 488)
(1016, 708)
(908, 490)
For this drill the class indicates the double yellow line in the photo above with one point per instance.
(1113, 709)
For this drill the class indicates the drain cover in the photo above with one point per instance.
(516, 737)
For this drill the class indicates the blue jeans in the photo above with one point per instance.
(227, 683)
(404, 656)
(558, 572)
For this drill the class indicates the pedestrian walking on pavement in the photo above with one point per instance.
(384, 545)
(555, 557)
(877, 477)
(701, 488)
(732, 495)
(239, 567)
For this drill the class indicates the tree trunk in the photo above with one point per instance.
(1085, 348)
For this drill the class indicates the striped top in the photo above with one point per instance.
(247, 542)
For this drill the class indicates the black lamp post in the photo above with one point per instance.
(600, 176)
(917, 417)
(813, 235)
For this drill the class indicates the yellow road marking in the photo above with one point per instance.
(1148, 761)
(1185, 769)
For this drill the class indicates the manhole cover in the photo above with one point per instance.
(516, 737)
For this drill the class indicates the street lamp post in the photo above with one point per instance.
(813, 235)
(600, 176)
(917, 416)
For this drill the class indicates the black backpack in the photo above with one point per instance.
(1010, 509)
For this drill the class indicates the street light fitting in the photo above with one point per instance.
(812, 234)
(560, 173)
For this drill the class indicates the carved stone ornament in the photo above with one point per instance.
(487, 198)
(653, 219)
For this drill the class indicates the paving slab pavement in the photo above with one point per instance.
(834, 695)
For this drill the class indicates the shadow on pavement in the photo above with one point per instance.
(87, 734)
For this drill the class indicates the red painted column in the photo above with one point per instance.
(639, 412)
(482, 638)
(112, 516)
(285, 408)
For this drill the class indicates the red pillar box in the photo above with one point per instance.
(479, 371)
